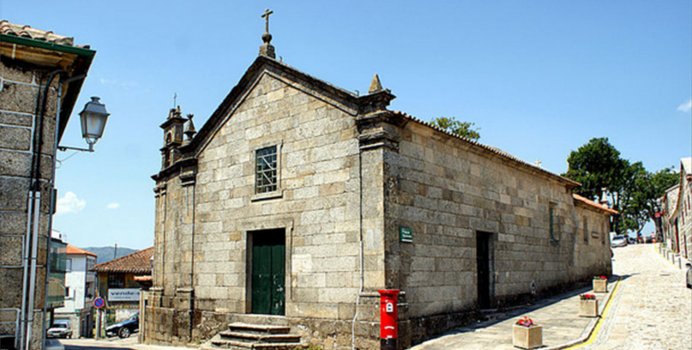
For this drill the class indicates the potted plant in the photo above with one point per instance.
(588, 305)
(526, 334)
(600, 284)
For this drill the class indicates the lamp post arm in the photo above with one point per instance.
(65, 148)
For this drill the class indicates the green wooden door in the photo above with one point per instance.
(268, 272)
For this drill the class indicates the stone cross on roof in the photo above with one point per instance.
(266, 14)
(267, 49)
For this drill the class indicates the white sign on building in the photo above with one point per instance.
(123, 294)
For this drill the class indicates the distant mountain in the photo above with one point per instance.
(107, 253)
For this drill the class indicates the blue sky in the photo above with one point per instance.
(539, 78)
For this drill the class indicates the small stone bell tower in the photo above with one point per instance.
(172, 137)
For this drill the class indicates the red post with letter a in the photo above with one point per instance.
(389, 330)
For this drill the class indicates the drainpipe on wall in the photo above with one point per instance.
(19, 341)
(53, 202)
(34, 213)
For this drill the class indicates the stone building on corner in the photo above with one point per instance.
(297, 200)
(677, 214)
(41, 75)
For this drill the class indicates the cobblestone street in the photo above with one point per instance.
(651, 309)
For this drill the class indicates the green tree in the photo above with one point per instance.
(460, 128)
(597, 166)
(628, 187)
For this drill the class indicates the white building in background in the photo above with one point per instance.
(80, 290)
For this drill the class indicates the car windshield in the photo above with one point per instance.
(60, 325)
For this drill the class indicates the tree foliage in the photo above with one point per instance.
(596, 165)
(454, 126)
(628, 187)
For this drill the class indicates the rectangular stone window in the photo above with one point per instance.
(586, 231)
(553, 223)
(266, 170)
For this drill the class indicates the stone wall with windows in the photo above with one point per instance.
(449, 192)
(339, 178)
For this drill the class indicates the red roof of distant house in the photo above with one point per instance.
(589, 202)
(136, 263)
(72, 250)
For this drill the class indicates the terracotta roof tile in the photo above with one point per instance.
(24, 31)
(72, 250)
(589, 202)
(137, 263)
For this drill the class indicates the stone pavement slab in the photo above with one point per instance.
(649, 310)
(559, 317)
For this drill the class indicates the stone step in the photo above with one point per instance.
(258, 328)
(241, 345)
(260, 319)
(259, 337)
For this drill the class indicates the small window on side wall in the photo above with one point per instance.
(552, 213)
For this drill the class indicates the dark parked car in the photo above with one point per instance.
(59, 330)
(125, 328)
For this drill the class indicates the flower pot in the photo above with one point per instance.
(527, 337)
(600, 286)
(588, 308)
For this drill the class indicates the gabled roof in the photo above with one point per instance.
(348, 102)
(72, 250)
(238, 93)
(592, 204)
(135, 263)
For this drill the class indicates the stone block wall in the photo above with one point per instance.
(317, 203)
(447, 191)
(18, 93)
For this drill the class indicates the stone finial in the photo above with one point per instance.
(267, 49)
(375, 85)
(190, 130)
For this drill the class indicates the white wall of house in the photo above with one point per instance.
(80, 285)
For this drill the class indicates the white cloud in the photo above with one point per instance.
(113, 206)
(686, 107)
(69, 203)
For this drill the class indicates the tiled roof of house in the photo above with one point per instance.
(489, 148)
(136, 263)
(72, 250)
(25, 31)
(589, 202)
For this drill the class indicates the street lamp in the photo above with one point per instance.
(93, 120)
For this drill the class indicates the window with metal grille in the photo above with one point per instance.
(265, 170)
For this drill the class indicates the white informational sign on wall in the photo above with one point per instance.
(123, 294)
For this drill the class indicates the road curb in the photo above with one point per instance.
(591, 331)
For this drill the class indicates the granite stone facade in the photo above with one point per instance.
(350, 176)
(36, 100)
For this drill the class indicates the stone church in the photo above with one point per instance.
(297, 200)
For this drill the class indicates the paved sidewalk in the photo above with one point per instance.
(562, 326)
(129, 343)
(649, 310)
